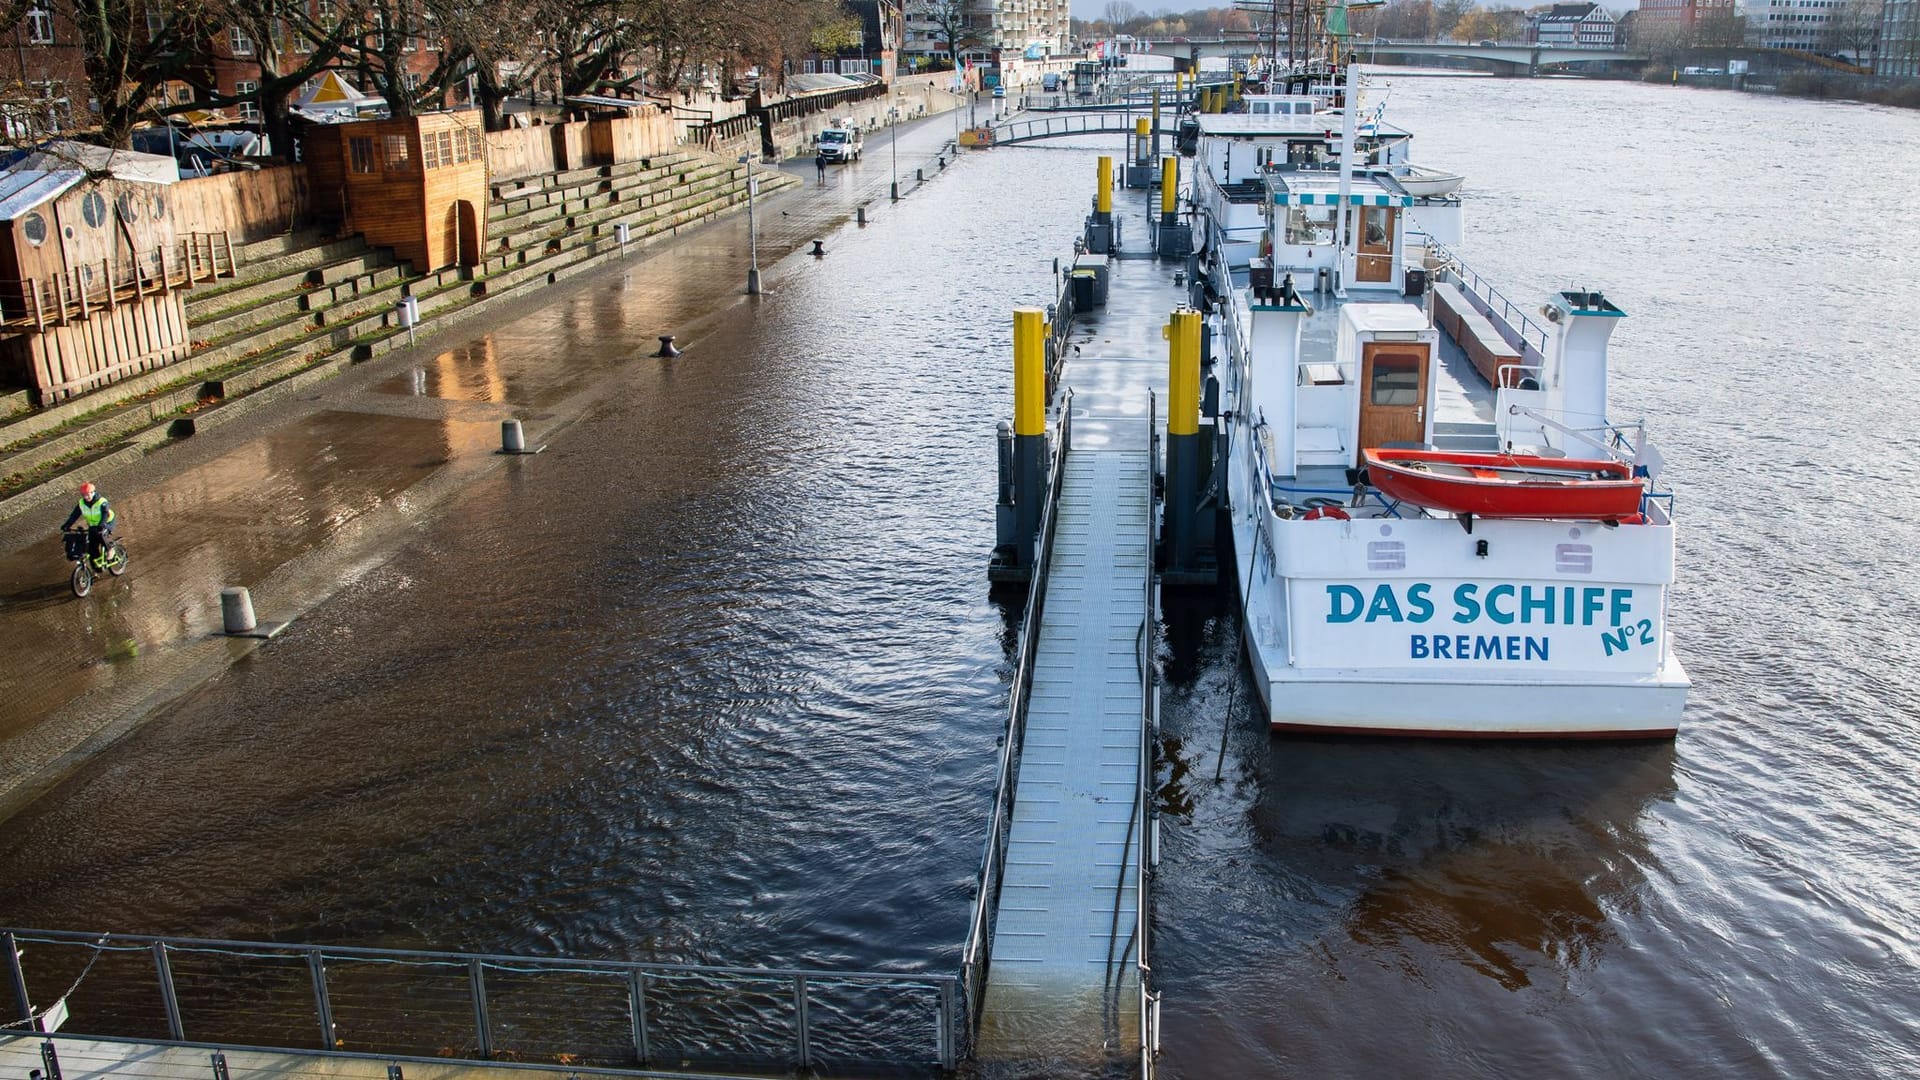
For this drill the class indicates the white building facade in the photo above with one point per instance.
(994, 29)
(1789, 24)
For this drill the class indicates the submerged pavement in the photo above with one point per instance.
(306, 494)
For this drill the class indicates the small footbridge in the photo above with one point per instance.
(1061, 125)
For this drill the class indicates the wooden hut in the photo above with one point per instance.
(91, 269)
(418, 185)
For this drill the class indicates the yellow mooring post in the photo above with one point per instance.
(1029, 433)
(1183, 437)
(1169, 190)
(1029, 371)
(1142, 154)
(1103, 197)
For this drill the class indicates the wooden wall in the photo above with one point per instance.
(614, 139)
(111, 343)
(523, 152)
(247, 206)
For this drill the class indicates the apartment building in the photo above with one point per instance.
(1899, 48)
(992, 29)
(1686, 13)
(1790, 24)
(1585, 26)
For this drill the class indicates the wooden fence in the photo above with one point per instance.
(522, 152)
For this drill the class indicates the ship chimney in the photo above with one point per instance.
(1583, 321)
(1273, 349)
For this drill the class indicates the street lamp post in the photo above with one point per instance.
(893, 125)
(753, 240)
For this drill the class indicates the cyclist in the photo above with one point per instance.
(93, 509)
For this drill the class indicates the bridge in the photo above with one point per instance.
(1079, 122)
(1514, 55)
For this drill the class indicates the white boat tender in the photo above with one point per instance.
(1423, 181)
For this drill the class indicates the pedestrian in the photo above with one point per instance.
(820, 168)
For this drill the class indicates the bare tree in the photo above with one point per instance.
(279, 33)
(1854, 30)
(504, 46)
(129, 58)
(950, 18)
(382, 42)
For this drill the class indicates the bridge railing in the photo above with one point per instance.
(415, 1005)
(977, 955)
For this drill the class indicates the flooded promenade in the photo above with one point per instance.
(298, 502)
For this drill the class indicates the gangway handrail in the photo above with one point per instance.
(634, 978)
(976, 956)
(1147, 852)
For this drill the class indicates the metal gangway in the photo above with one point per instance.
(1065, 124)
(1056, 963)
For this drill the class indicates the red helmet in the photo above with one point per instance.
(86, 490)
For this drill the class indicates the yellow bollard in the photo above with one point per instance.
(1183, 371)
(1029, 371)
(1169, 185)
(1103, 198)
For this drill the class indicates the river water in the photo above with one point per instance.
(717, 678)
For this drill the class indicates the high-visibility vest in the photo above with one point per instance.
(96, 512)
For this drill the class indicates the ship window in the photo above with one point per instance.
(34, 227)
(1396, 379)
(1310, 225)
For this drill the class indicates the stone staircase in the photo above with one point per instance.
(302, 308)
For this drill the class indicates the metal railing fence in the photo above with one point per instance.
(976, 957)
(561, 1012)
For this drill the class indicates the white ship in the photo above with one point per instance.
(1501, 565)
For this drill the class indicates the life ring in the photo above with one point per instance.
(1331, 512)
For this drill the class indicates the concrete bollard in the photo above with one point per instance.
(513, 440)
(818, 249)
(860, 214)
(667, 348)
(919, 176)
(236, 611)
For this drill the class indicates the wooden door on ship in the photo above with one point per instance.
(1393, 394)
(1373, 256)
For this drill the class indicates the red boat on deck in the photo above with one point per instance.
(1508, 485)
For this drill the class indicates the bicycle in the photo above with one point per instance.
(113, 561)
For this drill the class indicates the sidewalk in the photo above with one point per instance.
(299, 498)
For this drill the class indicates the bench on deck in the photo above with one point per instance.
(1475, 334)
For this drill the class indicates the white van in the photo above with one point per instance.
(841, 142)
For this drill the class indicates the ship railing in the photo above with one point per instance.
(977, 955)
(1528, 336)
(413, 1005)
